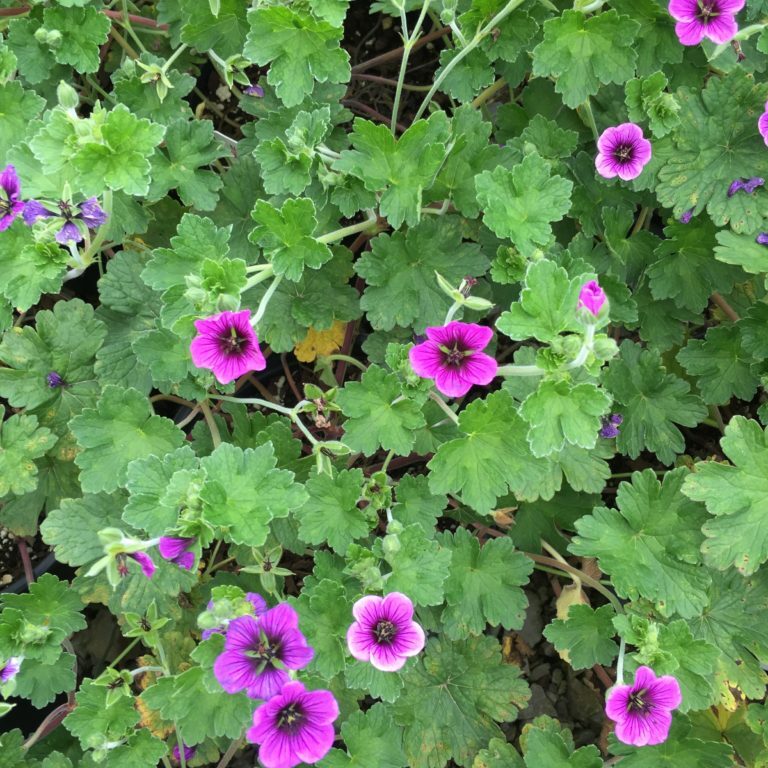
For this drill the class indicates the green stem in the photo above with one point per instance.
(464, 52)
(347, 359)
(125, 652)
(620, 662)
(258, 268)
(254, 401)
(260, 276)
(445, 407)
(212, 558)
(265, 299)
(126, 22)
(407, 46)
(101, 232)
(175, 55)
(520, 370)
(452, 310)
(211, 422)
(389, 458)
(489, 93)
(353, 229)
(587, 107)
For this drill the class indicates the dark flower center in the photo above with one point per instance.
(453, 356)
(623, 153)
(232, 343)
(5, 206)
(266, 650)
(66, 210)
(637, 702)
(290, 718)
(385, 632)
(707, 10)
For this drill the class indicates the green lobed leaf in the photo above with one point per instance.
(83, 31)
(737, 495)
(119, 429)
(653, 401)
(522, 203)
(41, 683)
(19, 108)
(452, 699)
(224, 31)
(21, 442)
(586, 634)
(650, 545)
(483, 585)
(549, 746)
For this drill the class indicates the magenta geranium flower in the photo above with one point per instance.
(227, 344)
(258, 606)
(452, 356)
(257, 653)
(643, 711)
(11, 204)
(385, 633)
(89, 212)
(9, 669)
(177, 550)
(762, 124)
(697, 19)
(592, 297)
(294, 727)
(623, 151)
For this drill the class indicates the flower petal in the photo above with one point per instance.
(426, 359)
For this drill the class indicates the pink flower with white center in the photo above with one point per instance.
(623, 151)
(227, 344)
(643, 711)
(697, 19)
(385, 633)
(452, 356)
(592, 297)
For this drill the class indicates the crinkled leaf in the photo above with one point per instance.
(41, 683)
(21, 442)
(18, 108)
(83, 31)
(586, 634)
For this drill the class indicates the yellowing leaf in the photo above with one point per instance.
(317, 343)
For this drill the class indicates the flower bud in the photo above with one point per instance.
(592, 297)
(67, 96)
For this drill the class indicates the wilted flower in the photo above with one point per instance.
(643, 711)
(762, 238)
(697, 19)
(257, 653)
(11, 204)
(611, 425)
(89, 212)
(177, 550)
(227, 344)
(54, 380)
(189, 753)
(10, 668)
(623, 151)
(142, 558)
(592, 297)
(385, 633)
(296, 726)
(452, 356)
(254, 89)
(686, 217)
(745, 185)
(258, 606)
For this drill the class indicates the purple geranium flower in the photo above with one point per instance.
(10, 669)
(697, 19)
(385, 633)
(623, 151)
(452, 356)
(592, 297)
(643, 711)
(685, 218)
(254, 89)
(294, 727)
(227, 344)
(11, 204)
(177, 550)
(258, 604)
(762, 124)
(89, 212)
(189, 753)
(253, 647)
(54, 380)
(762, 238)
(611, 425)
(745, 185)
(142, 558)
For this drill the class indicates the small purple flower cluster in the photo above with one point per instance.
(745, 185)
(89, 212)
(611, 424)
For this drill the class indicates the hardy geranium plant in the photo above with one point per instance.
(381, 380)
